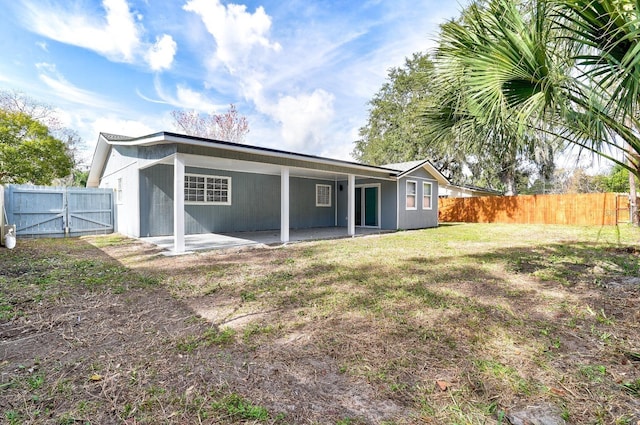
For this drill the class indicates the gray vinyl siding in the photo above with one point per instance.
(388, 210)
(119, 158)
(267, 159)
(255, 204)
(389, 219)
(303, 212)
(418, 218)
(157, 151)
(156, 201)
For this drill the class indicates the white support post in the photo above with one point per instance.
(351, 205)
(284, 204)
(178, 204)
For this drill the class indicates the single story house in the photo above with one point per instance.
(467, 191)
(173, 184)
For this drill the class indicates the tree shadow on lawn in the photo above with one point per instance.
(367, 338)
(87, 339)
(505, 327)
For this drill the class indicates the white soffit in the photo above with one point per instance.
(228, 164)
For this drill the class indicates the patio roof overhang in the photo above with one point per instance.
(239, 165)
(207, 153)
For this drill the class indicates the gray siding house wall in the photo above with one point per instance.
(156, 200)
(142, 172)
(255, 203)
(419, 217)
(388, 202)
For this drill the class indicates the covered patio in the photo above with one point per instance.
(220, 241)
(186, 193)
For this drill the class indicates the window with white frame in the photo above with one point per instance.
(203, 189)
(119, 190)
(426, 195)
(412, 188)
(323, 195)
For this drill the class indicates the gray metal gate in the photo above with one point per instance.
(43, 211)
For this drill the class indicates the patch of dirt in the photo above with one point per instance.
(121, 353)
(148, 345)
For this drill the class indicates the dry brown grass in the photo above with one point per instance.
(344, 331)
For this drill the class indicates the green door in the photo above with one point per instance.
(358, 206)
(371, 206)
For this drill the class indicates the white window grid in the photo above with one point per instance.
(426, 196)
(202, 189)
(412, 195)
(119, 190)
(323, 195)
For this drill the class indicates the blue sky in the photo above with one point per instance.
(302, 72)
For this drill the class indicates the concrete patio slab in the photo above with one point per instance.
(213, 241)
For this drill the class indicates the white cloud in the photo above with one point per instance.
(183, 98)
(236, 31)
(117, 36)
(305, 118)
(121, 126)
(67, 92)
(191, 99)
(160, 55)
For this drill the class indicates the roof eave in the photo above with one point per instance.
(432, 170)
(166, 137)
(100, 154)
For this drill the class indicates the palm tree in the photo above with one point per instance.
(567, 69)
(479, 75)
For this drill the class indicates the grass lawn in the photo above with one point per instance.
(456, 325)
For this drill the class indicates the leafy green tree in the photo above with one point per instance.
(392, 133)
(617, 180)
(470, 109)
(18, 102)
(80, 178)
(28, 151)
(396, 130)
(566, 68)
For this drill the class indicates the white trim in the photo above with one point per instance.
(406, 195)
(119, 187)
(319, 185)
(256, 151)
(398, 204)
(118, 170)
(334, 175)
(284, 204)
(205, 202)
(335, 200)
(379, 206)
(423, 178)
(427, 165)
(430, 196)
(351, 205)
(163, 138)
(147, 163)
(178, 204)
(134, 189)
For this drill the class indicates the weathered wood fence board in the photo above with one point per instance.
(42, 211)
(576, 209)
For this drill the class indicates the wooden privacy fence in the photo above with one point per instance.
(576, 209)
(43, 211)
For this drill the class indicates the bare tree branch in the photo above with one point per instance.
(230, 126)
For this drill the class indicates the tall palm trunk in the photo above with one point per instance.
(633, 191)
